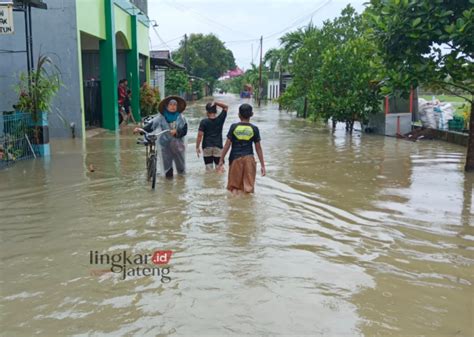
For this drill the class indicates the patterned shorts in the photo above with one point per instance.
(211, 152)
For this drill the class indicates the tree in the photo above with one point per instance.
(293, 41)
(334, 70)
(345, 88)
(274, 59)
(429, 42)
(205, 56)
(176, 82)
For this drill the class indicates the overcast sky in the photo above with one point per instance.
(237, 22)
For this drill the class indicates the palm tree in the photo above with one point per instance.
(292, 41)
(274, 58)
(252, 77)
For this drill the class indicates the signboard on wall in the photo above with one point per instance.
(6, 18)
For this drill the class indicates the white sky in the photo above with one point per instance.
(237, 20)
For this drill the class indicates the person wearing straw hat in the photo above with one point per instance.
(172, 143)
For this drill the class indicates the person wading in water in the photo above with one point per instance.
(210, 133)
(172, 143)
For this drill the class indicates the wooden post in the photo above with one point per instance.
(470, 144)
(305, 109)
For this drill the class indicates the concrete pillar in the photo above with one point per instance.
(108, 70)
(133, 71)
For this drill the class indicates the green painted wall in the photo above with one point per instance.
(103, 19)
(143, 39)
(133, 70)
(123, 24)
(90, 17)
(108, 71)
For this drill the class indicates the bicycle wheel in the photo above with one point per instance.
(148, 168)
(153, 171)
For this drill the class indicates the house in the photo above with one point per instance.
(231, 74)
(160, 62)
(277, 84)
(94, 43)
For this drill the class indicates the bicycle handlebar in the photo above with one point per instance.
(147, 134)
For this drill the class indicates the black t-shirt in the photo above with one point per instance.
(242, 136)
(212, 129)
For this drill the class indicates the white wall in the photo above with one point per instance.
(273, 89)
(158, 81)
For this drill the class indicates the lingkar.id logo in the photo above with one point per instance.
(132, 265)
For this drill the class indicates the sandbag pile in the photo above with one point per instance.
(435, 114)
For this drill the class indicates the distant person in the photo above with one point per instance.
(172, 143)
(122, 95)
(242, 165)
(127, 107)
(210, 133)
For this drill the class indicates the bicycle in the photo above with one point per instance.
(149, 140)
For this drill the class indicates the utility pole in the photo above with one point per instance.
(251, 55)
(260, 74)
(185, 51)
(279, 84)
(185, 59)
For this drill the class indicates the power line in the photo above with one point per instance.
(208, 20)
(171, 47)
(171, 40)
(159, 37)
(256, 54)
(298, 20)
(294, 23)
(240, 41)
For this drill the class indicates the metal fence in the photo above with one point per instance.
(16, 135)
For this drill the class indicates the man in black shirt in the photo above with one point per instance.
(210, 133)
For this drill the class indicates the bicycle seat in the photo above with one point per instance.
(146, 120)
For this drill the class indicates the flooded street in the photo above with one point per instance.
(356, 235)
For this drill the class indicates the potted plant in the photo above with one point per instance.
(149, 100)
(36, 91)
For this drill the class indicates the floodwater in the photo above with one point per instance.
(346, 236)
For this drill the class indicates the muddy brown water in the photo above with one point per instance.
(347, 236)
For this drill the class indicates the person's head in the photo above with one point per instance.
(172, 105)
(124, 82)
(211, 109)
(120, 83)
(245, 111)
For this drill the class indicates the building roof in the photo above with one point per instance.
(33, 3)
(233, 73)
(162, 54)
(141, 4)
(162, 59)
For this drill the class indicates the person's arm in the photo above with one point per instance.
(198, 142)
(258, 148)
(226, 148)
(221, 105)
(181, 132)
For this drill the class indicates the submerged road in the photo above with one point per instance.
(356, 235)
